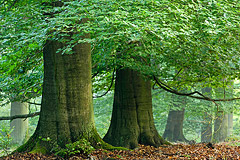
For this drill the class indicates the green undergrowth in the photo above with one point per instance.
(79, 147)
(5, 139)
(39, 149)
(232, 138)
(31, 145)
(82, 146)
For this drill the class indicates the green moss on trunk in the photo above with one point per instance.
(132, 119)
(67, 110)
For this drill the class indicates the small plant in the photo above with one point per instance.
(232, 138)
(5, 139)
(79, 147)
(48, 139)
(119, 156)
(187, 156)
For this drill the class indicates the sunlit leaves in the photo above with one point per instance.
(201, 38)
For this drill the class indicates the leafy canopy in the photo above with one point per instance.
(198, 39)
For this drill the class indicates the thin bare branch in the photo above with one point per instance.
(20, 116)
(12, 5)
(201, 96)
(39, 104)
(109, 86)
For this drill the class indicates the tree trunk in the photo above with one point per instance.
(206, 128)
(221, 119)
(132, 118)
(20, 126)
(230, 93)
(230, 124)
(174, 128)
(66, 111)
(220, 126)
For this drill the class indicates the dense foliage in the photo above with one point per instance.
(198, 39)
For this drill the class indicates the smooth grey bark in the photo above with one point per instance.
(230, 114)
(132, 118)
(206, 127)
(230, 124)
(19, 126)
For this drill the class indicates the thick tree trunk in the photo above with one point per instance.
(66, 111)
(174, 128)
(206, 128)
(132, 118)
(20, 126)
(220, 127)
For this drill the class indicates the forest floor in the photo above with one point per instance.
(177, 151)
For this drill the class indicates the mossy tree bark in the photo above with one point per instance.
(206, 127)
(132, 118)
(66, 111)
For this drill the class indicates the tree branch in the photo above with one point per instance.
(3, 2)
(39, 104)
(20, 116)
(94, 75)
(108, 88)
(12, 5)
(202, 97)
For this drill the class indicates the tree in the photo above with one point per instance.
(132, 118)
(206, 128)
(137, 49)
(230, 93)
(66, 110)
(19, 126)
(221, 114)
(220, 127)
(174, 127)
